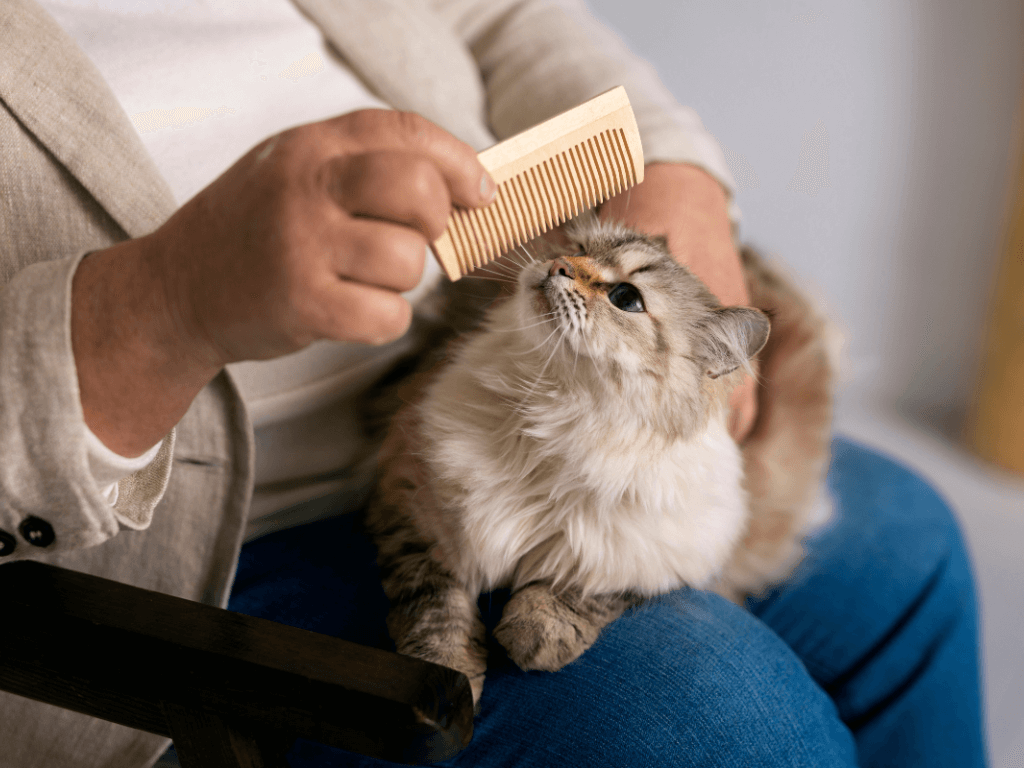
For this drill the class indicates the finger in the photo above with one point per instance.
(381, 254)
(397, 186)
(360, 313)
(380, 129)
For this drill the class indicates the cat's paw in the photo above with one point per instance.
(471, 666)
(539, 631)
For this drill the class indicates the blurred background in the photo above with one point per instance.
(876, 147)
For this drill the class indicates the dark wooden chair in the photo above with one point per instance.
(230, 690)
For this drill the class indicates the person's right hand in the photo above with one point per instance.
(312, 235)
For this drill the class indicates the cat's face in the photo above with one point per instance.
(619, 301)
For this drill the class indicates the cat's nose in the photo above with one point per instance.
(562, 267)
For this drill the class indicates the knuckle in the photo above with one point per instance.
(414, 126)
(429, 197)
(363, 122)
(382, 317)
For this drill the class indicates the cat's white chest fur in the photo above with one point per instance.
(581, 499)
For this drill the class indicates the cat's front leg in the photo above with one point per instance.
(434, 618)
(546, 629)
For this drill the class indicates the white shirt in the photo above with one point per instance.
(203, 81)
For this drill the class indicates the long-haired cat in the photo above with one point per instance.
(574, 449)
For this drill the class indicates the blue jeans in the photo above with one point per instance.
(868, 656)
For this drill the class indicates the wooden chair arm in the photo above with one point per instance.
(200, 675)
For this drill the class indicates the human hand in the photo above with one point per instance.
(689, 207)
(313, 234)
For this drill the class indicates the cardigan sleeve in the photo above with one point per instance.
(540, 57)
(49, 500)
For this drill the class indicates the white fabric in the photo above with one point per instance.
(204, 81)
(108, 467)
(202, 84)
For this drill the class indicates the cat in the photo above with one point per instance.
(574, 449)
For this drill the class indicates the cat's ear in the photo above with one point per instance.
(727, 339)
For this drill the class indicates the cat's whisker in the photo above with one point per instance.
(502, 273)
(511, 256)
(545, 341)
(544, 368)
(530, 258)
(492, 278)
(517, 330)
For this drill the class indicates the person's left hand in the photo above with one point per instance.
(689, 207)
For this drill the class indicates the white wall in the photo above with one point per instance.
(871, 142)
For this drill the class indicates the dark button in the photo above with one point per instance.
(7, 543)
(36, 532)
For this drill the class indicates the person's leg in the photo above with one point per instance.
(691, 680)
(882, 613)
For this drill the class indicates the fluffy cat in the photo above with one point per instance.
(574, 449)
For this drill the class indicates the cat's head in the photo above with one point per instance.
(616, 301)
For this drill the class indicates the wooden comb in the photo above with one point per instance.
(546, 175)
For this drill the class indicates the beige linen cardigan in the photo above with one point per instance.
(75, 177)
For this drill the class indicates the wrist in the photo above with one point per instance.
(137, 373)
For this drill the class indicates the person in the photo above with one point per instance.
(183, 335)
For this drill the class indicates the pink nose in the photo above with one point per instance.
(562, 267)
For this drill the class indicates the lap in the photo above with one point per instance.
(690, 679)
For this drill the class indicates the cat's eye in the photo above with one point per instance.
(627, 298)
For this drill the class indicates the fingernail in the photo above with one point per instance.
(488, 189)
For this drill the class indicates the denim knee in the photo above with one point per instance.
(883, 615)
(893, 550)
(688, 680)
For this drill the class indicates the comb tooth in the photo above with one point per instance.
(512, 212)
(473, 256)
(524, 202)
(596, 182)
(458, 239)
(544, 195)
(581, 174)
(543, 199)
(587, 170)
(494, 236)
(499, 214)
(471, 242)
(540, 201)
(577, 178)
(557, 192)
(573, 195)
(610, 166)
(558, 189)
(627, 157)
(479, 241)
(601, 182)
(620, 164)
(607, 183)
(615, 140)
